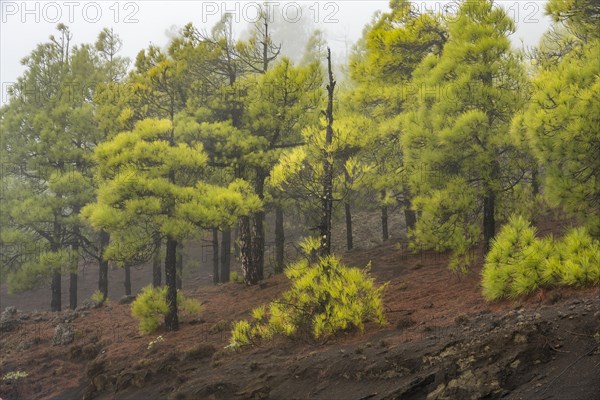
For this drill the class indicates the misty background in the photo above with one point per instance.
(141, 23)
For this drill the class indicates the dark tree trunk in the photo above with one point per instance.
(279, 240)
(179, 265)
(103, 266)
(258, 229)
(56, 286)
(384, 223)
(535, 185)
(73, 290)
(327, 194)
(236, 242)
(74, 270)
(410, 217)
(215, 250)
(55, 304)
(156, 262)
(127, 282)
(348, 211)
(489, 221)
(225, 255)
(250, 274)
(171, 319)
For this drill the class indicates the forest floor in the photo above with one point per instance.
(442, 341)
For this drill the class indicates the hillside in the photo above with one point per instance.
(442, 342)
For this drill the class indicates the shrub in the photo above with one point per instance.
(150, 307)
(519, 263)
(577, 262)
(236, 277)
(98, 297)
(325, 297)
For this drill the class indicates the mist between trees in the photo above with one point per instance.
(438, 117)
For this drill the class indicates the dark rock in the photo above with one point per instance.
(8, 320)
(63, 334)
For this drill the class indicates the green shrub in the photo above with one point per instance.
(236, 277)
(98, 297)
(511, 267)
(150, 307)
(519, 263)
(577, 262)
(325, 297)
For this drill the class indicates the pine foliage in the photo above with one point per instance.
(519, 263)
(325, 298)
(150, 307)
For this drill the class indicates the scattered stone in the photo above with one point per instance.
(89, 304)
(8, 319)
(63, 334)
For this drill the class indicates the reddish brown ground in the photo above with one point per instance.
(442, 340)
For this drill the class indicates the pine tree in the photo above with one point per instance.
(150, 182)
(562, 120)
(381, 68)
(48, 129)
(457, 145)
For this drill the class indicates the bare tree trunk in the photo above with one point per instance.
(56, 286)
(236, 244)
(258, 230)
(279, 240)
(409, 215)
(179, 262)
(225, 255)
(55, 304)
(74, 267)
(156, 262)
(215, 249)
(171, 319)
(489, 221)
(348, 211)
(535, 185)
(103, 266)
(327, 195)
(73, 290)
(127, 283)
(384, 223)
(250, 274)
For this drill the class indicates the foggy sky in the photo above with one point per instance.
(140, 23)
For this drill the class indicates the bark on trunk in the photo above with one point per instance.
(384, 223)
(103, 266)
(489, 221)
(535, 186)
(250, 274)
(215, 249)
(327, 194)
(258, 229)
(279, 240)
(73, 290)
(55, 303)
(410, 217)
(73, 275)
(127, 282)
(349, 243)
(179, 265)
(171, 319)
(225, 255)
(156, 264)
